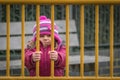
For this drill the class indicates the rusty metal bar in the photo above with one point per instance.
(52, 38)
(111, 39)
(96, 39)
(38, 37)
(60, 1)
(22, 39)
(8, 40)
(67, 40)
(82, 41)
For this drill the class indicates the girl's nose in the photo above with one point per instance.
(45, 37)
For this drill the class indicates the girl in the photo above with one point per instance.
(45, 55)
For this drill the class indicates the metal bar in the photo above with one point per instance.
(67, 40)
(111, 39)
(82, 40)
(8, 40)
(22, 39)
(96, 38)
(59, 78)
(60, 1)
(37, 36)
(52, 38)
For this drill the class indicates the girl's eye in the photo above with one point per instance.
(45, 35)
(41, 35)
(48, 35)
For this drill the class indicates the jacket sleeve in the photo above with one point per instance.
(28, 59)
(61, 58)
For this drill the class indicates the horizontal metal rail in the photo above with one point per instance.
(59, 78)
(59, 1)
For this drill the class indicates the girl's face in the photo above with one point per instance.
(45, 39)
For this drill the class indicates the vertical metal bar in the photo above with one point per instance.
(111, 39)
(37, 36)
(67, 40)
(52, 38)
(8, 40)
(22, 39)
(82, 40)
(96, 39)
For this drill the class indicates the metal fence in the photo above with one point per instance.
(67, 3)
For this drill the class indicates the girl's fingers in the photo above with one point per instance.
(36, 56)
(53, 55)
(52, 52)
(36, 59)
(38, 52)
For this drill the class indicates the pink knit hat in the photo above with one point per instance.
(45, 28)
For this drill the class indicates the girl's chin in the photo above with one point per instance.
(46, 45)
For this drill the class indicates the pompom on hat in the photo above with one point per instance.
(45, 28)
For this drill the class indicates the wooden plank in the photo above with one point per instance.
(15, 42)
(15, 27)
(75, 59)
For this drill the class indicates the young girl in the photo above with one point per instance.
(45, 54)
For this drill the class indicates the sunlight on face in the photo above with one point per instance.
(45, 39)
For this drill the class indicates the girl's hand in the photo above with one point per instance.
(36, 56)
(53, 55)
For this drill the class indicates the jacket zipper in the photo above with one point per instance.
(45, 50)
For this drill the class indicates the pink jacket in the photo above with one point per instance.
(45, 62)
